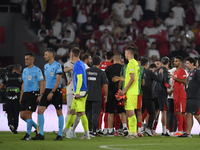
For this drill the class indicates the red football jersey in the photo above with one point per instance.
(179, 88)
(104, 65)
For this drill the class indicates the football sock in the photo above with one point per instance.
(180, 122)
(60, 124)
(66, 118)
(124, 125)
(29, 126)
(84, 121)
(70, 121)
(184, 124)
(117, 122)
(76, 122)
(100, 120)
(110, 130)
(132, 123)
(34, 124)
(139, 124)
(155, 125)
(41, 123)
(164, 129)
(106, 120)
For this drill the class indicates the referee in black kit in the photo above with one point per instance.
(96, 78)
(147, 98)
(192, 88)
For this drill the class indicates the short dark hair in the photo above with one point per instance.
(144, 61)
(191, 60)
(30, 54)
(17, 67)
(152, 66)
(179, 57)
(136, 56)
(68, 31)
(165, 60)
(133, 20)
(109, 55)
(50, 50)
(171, 11)
(131, 49)
(85, 56)
(42, 32)
(76, 51)
(96, 60)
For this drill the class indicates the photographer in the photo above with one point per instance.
(13, 82)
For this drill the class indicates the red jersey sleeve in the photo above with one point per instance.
(182, 74)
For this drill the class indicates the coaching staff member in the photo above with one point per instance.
(96, 79)
(147, 98)
(192, 89)
(13, 83)
(32, 78)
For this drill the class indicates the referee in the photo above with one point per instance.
(52, 93)
(192, 89)
(96, 79)
(32, 77)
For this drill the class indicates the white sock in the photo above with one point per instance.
(75, 124)
(110, 130)
(139, 130)
(124, 125)
(87, 133)
(164, 129)
(66, 118)
(65, 131)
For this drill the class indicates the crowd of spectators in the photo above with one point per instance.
(156, 28)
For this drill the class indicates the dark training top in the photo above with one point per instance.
(160, 90)
(149, 78)
(96, 78)
(111, 71)
(192, 87)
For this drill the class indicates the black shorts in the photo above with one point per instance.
(29, 101)
(112, 104)
(192, 106)
(171, 105)
(149, 105)
(161, 104)
(56, 99)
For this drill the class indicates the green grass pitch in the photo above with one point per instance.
(10, 141)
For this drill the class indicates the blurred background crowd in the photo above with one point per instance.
(156, 28)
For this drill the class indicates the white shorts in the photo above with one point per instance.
(69, 101)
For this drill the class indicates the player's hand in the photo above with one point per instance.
(39, 98)
(49, 97)
(172, 76)
(20, 101)
(115, 79)
(105, 99)
(122, 92)
(172, 88)
(161, 70)
(77, 96)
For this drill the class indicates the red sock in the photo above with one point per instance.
(117, 122)
(100, 120)
(184, 124)
(106, 120)
(180, 122)
(155, 124)
(139, 124)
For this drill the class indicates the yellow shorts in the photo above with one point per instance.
(131, 102)
(79, 104)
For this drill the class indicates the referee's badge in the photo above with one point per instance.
(29, 77)
(52, 73)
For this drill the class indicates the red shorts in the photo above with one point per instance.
(139, 102)
(179, 105)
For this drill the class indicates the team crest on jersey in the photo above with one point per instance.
(29, 77)
(52, 73)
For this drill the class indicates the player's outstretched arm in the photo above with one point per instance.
(22, 92)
